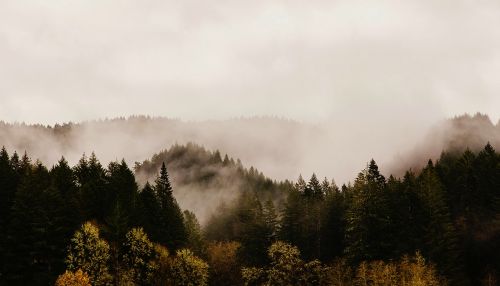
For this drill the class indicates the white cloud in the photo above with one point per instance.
(315, 60)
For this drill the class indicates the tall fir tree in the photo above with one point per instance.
(149, 211)
(251, 229)
(368, 220)
(35, 237)
(171, 231)
(195, 238)
(92, 182)
(8, 186)
(333, 218)
(271, 221)
(439, 232)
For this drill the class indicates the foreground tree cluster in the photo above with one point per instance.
(90, 225)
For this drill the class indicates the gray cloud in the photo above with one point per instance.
(192, 59)
(372, 75)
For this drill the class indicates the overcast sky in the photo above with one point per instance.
(307, 60)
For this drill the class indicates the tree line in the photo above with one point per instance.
(95, 225)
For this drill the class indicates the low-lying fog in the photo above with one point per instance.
(282, 149)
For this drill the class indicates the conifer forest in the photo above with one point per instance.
(91, 224)
(249, 143)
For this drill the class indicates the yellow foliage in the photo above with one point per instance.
(223, 261)
(410, 271)
(183, 269)
(339, 273)
(78, 278)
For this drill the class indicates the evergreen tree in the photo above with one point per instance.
(8, 186)
(313, 199)
(251, 229)
(63, 181)
(149, 212)
(171, 230)
(92, 181)
(292, 218)
(34, 236)
(407, 215)
(313, 188)
(439, 232)
(301, 184)
(122, 187)
(368, 221)
(333, 220)
(487, 173)
(122, 200)
(271, 221)
(195, 239)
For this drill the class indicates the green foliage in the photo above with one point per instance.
(138, 255)
(333, 222)
(439, 232)
(286, 268)
(188, 270)
(254, 276)
(36, 236)
(368, 220)
(162, 265)
(88, 252)
(171, 230)
(449, 211)
(271, 222)
(149, 211)
(122, 192)
(195, 239)
(91, 179)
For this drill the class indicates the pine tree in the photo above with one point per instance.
(271, 221)
(122, 189)
(252, 229)
(407, 215)
(487, 173)
(149, 212)
(333, 229)
(8, 186)
(327, 188)
(292, 218)
(313, 188)
(195, 238)
(301, 184)
(368, 221)
(63, 181)
(313, 198)
(33, 231)
(171, 230)
(92, 181)
(439, 232)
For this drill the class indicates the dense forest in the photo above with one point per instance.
(116, 225)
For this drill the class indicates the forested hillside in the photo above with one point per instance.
(329, 148)
(453, 135)
(105, 226)
(138, 137)
(202, 180)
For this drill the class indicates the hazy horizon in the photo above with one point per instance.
(350, 61)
